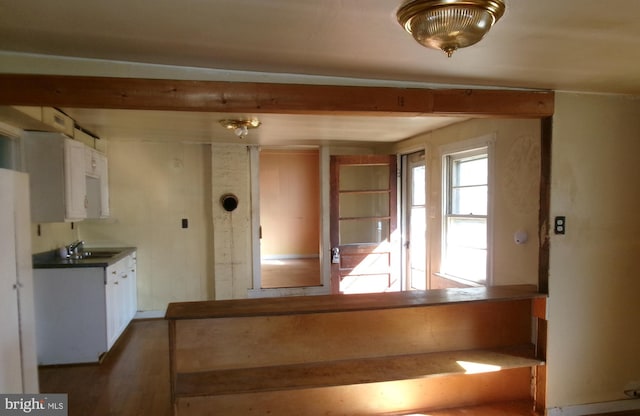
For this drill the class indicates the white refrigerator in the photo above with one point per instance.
(18, 363)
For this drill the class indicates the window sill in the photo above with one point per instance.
(460, 280)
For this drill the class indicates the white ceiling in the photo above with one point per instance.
(275, 130)
(574, 45)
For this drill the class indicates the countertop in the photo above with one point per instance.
(51, 259)
(343, 303)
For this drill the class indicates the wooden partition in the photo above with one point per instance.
(388, 353)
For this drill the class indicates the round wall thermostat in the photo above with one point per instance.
(229, 202)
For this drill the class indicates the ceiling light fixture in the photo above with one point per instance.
(240, 127)
(449, 24)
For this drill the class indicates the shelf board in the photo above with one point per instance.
(349, 372)
(510, 408)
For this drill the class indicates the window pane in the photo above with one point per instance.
(418, 248)
(363, 231)
(469, 201)
(364, 205)
(465, 227)
(467, 232)
(418, 186)
(470, 172)
(364, 177)
(466, 263)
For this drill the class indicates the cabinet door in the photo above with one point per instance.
(97, 184)
(123, 279)
(131, 289)
(75, 192)
(103, 172)
(44, 158)
(90, 162)
(10, 368)
(112, 304)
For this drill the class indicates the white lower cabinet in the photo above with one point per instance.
(82, 311)
(120, 295)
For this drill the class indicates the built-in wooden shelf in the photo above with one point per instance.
(510, 408)
(382, 354)
(348, 372)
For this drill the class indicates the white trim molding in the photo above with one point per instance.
(595, 408)
(487, 142)
(290, 256)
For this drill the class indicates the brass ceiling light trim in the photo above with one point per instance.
(240, 127)
(449, 24)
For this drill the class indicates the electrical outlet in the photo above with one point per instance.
(560, 225)
(185, 223)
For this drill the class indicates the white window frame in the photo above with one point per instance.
(459, 150)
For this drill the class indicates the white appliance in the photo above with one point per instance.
(18, 364)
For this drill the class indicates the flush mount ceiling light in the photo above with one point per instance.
(449, 24)
(240, 127)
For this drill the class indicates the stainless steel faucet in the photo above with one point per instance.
(75, 247)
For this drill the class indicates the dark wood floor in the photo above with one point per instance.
(133, 379)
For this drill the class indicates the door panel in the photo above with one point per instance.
(363, 224)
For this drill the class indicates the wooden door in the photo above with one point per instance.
(364, 257)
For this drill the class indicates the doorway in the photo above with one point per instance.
(289, 218)
(364, 234)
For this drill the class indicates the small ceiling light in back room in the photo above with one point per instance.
(240, 127)
(449, 24)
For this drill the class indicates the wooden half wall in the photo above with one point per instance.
(385, 353)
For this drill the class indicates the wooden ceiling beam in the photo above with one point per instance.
(252, 97)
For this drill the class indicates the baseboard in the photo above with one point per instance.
(595, 408)
(288, 291)
(150, 314)
(290, 256)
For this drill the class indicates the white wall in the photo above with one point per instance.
(153, 186)
(515, 193)
(594, 304)
(52, 236)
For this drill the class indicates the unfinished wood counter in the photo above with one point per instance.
(355, 354)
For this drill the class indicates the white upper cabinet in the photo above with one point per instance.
(103, 169)
(97, 183)
(56, 166)
(75, 190)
